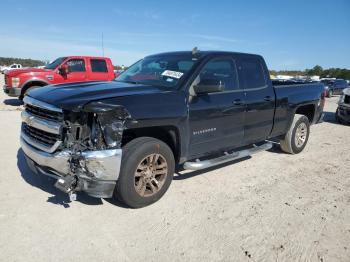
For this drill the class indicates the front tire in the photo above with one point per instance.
(297, 136)
(146, 173)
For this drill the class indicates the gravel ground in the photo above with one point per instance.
(273, 207)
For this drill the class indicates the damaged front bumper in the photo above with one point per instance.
(97, 175)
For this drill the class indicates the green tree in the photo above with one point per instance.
(316, 70)
(24, 62)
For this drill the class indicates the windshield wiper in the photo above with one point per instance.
(141, 83)
(127, 81)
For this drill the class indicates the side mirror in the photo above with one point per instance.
(206, 86)
(63, 70)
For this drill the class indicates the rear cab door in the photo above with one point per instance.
(100, 69)
(259, 98)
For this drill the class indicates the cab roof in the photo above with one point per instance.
(203, 53)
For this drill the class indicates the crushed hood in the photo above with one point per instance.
(74, 96)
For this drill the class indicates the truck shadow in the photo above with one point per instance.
(13, 102)
(329, 117)
(47, 184)
(276, 149)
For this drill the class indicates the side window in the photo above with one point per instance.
(252, 74)
(99, 66)
(76, 65)
(223, 70)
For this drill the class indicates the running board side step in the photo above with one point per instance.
(198, 165)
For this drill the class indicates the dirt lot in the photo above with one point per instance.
(273, 207)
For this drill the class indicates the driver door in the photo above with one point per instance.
(76, 71)
(217, 119)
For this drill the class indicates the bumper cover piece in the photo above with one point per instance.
(66, 184)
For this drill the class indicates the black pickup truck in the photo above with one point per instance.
(193, 109)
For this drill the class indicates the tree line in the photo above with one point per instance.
(25, 62)
(317, 70)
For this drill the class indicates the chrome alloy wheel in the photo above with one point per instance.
(150, 175)
(300, 135)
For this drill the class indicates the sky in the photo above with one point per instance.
(289, 34)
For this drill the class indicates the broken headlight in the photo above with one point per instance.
(113, 133)
(110, 119)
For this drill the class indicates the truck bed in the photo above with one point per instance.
(292, 95)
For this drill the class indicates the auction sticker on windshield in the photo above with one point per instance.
(173, 74)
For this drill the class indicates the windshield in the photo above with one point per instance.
(160, 70)
(55, 63)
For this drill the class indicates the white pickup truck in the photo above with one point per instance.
(7, 68)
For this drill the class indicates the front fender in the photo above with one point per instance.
(35, 81)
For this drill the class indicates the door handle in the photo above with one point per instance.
(267, 98)
(237, 102)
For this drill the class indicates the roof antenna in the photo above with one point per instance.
(195, 51)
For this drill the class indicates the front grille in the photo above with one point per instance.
(40, 136)
(41, 124)
(347, 99)
(44, 113)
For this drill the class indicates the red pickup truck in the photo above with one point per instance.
(69, 69)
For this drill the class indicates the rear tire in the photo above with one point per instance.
(297, 136)
(146, 173)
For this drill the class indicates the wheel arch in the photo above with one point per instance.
(168, 134)
(32, 82)
(307, 110)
